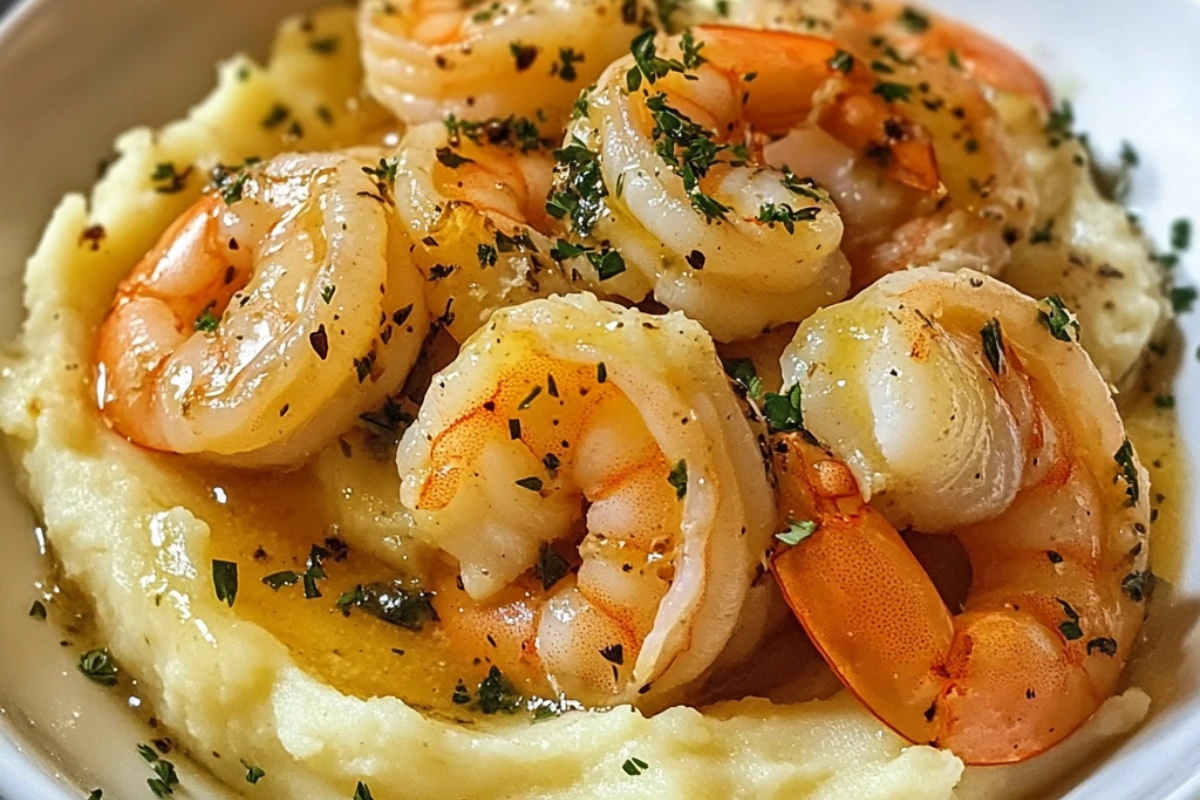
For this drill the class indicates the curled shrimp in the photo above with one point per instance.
(952, 404)
(603, 493)
(473, 197)
(269, 316)
(675, 175)
(985, 202)
(426, 59)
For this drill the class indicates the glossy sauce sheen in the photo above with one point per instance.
(283, 515)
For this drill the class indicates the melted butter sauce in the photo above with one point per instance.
(268, 523)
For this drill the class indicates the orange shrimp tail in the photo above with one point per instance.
(864, 599)
(988, 61)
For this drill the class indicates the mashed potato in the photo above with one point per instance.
(137, 531)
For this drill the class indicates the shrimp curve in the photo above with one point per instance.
(955, 405)
(604, 494)
(271, 314)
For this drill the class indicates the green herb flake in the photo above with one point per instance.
(277, 580)
(634, 767)
(1181, 235)
(783, 214)
(783, 411)
(254, 774)
(567, 59)
(678, 478)
(487, 256)
(743, 371)
(97, 666)
(1136, 585)
(608, 262)
(1070, 627)
(406, 606)
(1105, 645)
(551, 567)
(1055, 315)
(225, 580)
(496, 693)
(327, 293)
(1183, 298)
(523, 55)
(38, 610)
(798, 531)
(362, 792)
(97, 794)
(1129, 473)
(893, 92)
(601, 373)
(461, 696)
(914, 21)
(168, 180)
(167, 779)
(993, 345)
(1164, 401)
(842, 61)
(579, 189)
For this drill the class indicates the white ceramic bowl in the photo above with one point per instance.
(74, 73)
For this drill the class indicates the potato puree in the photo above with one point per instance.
(317, 699)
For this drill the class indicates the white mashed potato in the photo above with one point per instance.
(129, 527)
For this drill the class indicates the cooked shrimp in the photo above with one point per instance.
(473, 197)
(986, 203)
(603, 449)
(674, 174)
(955, 405)
(271, 314)
(426, 59)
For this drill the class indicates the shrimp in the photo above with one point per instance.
(603, 492)
(426, 59)
(473, 198)
(952, 404)
(267, 318)
(987, 201)
(674, 173)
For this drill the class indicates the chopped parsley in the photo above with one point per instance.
(168, 180)
(523, 55)
(783, 411)
(97, 666)
(893, 92)
(579, 187)
(1043, 234)
(1070, 627)
(689, 150)
(166, 781)
(634, 766)
(225, 580)
(567, 59)
(529, 398)
(783, 214)
(207, 321)
(497, 694)
(487, 255)
(1164, 401)
(278, 580)
(678, 478)
(510, 131)
(842, 61)
(385, 172)
(551, 567)
(362, 792)
(461, 696)
(742, 371)
(1181, 235)
(564, 250)
(532, 483)
(607, 261)
(391, 602)
(648, 65)
(1136, 585)
(254, 774)
(1183, 298)
(914, 21)
(993, 344)
(1128, 473)
(1055, 315)
(1060, 125)
(327, 293)
(798, 531)
(38, 610)
(97, 794)
(601, 373)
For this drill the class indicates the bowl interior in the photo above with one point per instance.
(74, 73)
